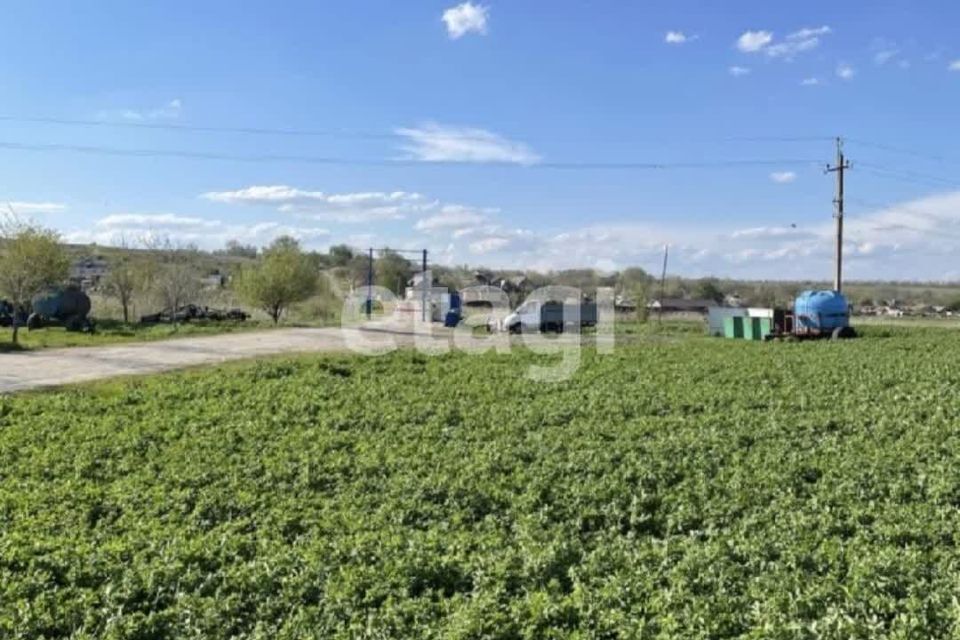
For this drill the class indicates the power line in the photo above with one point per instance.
(333, 160)
(901, 150)
(904, 175)
(169, 126)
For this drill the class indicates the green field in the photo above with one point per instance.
(683, 487)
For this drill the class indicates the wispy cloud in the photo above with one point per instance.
(884, 56)
(155, 220)
(122, 228)
(466, 18)
(737, 72)
(810, 82)
(753, 41)
(810, 32)
(783, 177)
(31, 208)
(954, 66)
(678, 37)
(452, 216)
(796, 42)
(433, 142)
(335, 207)
(845, 71)
(169, 111)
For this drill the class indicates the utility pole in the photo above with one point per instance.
(841, 166)
(370, 283)
(425, 287)
(663, 284)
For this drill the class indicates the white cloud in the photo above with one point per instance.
(783, 177)
(441, 143)
(752, 41)
(125, 228)
(884, 56)
(335, 207)
(810, 32)
(797, 42)
(790, 48)
(737, 72)
(466, 18)
(678, 37)
(489, 245)
(155, 220)
(954, 66)
(168, 111)
(451, 217)
(30, 208)
(845, 71)
(810, 82)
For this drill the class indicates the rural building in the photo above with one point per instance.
(87, 272)
(681, 305)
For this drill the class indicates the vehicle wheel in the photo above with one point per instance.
(34, 321)
(514, 328)
(843, 333)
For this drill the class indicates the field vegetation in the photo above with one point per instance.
(683, 487)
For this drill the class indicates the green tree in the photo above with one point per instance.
(340, 255)
(709, 289)
(393, 271)
(31, 260)
(284, 275)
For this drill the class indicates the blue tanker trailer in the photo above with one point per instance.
(68, 307)
(816, 314)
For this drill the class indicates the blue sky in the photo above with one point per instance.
(490, 133)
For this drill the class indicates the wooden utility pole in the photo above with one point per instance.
(370, 283)
(663, 283)
(841, 166)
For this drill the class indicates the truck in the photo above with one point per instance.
(546, 316)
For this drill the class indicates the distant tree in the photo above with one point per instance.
(708, 289)
(284, 275)
(173, 275)
(358, 269)
(393, 271)
(31, 260)
(126, 276)
(340, 255)
(237, 249)
(176, 284)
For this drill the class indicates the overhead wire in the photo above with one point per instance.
(333, 160)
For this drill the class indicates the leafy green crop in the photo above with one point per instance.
(680, 488)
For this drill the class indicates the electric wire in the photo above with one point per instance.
(333, 160)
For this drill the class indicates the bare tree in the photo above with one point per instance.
(173, 277)
(127, 276)
(31, 260)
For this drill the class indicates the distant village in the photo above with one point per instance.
(88, 271)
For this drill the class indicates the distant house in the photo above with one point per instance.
(733, 300)
(87, 272)
(681, 305)
(623, 304)
(214, 280)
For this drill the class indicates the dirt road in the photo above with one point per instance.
(55, 367)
